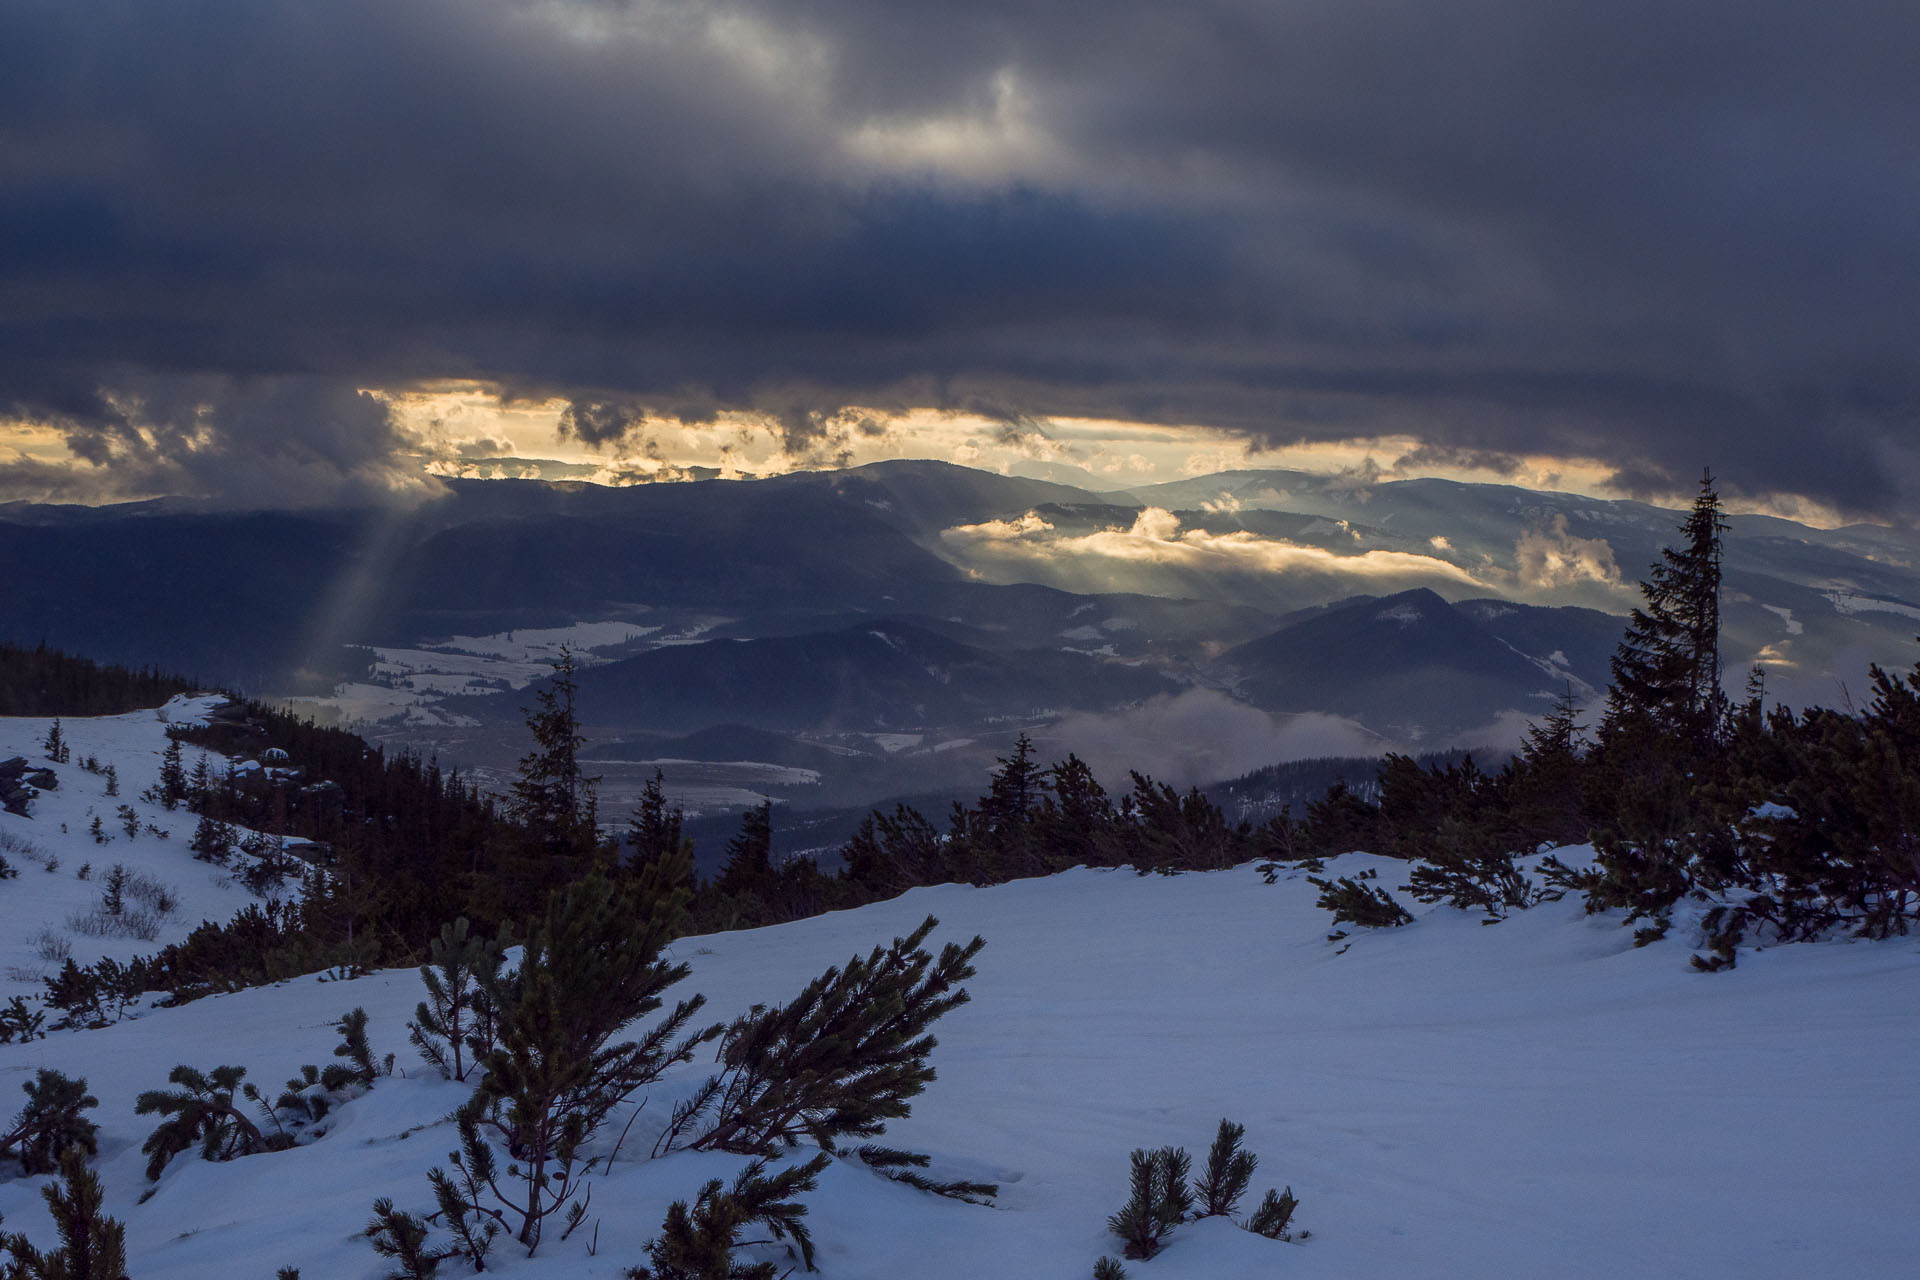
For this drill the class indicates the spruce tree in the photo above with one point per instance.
(1666, 672)
(1074, 826)
(1654, 770)
(748, 871)
(210, 842)
(655, 829)
(893, 852)
(1543, 782)
(173, 777)
(551, 798)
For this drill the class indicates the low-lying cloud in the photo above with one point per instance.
(1548, 556)
(1201, 736)
(1156, 541)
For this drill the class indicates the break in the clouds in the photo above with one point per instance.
(1654, 234)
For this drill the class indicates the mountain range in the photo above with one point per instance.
(905, 611)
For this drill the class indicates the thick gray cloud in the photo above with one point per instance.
(1658, 234)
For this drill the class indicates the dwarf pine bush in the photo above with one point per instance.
(51, 1124)
(697, 1242)
(840, 1060)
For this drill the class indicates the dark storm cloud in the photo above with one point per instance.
(1658, 234)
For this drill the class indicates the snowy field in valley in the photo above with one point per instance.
(1534, 1098)
(412, 682)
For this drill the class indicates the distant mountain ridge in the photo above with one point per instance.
(881, 675)
(1417, 668)
(910, 595)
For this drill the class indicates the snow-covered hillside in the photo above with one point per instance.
(50, 906)
(1534, 1098)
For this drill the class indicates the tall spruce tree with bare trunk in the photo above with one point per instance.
(1660, 743)
(1666, 672)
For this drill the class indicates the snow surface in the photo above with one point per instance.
(1793, 625)
(1533, 1098)
(541, 644)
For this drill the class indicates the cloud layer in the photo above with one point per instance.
(1655, 234)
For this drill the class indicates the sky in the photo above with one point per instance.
(273, 251)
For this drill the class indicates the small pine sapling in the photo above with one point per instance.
(697, 1243)
(129, 820)
(1229, 1169)
(403, 1237)
(1160, 1201)
(92, 1245)
(361, 1067)
(21, 1021)
(304, 1103)
(474, 1226)
(454, 1026)
(113, 781)
(1108, 1268)
(1274, 1215)
(590, 968)
(51, 1124)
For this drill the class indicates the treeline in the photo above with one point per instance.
(44, 682)
(1773, 825)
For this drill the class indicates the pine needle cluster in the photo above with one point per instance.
(838, 1061)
